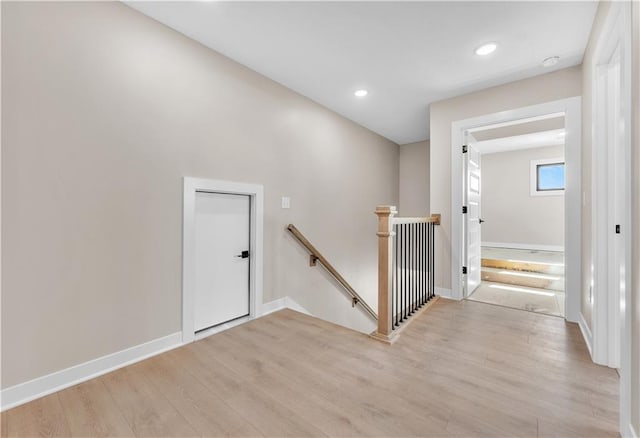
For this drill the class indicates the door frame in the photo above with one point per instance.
(256, 196)
(571, 109)
(611, 346)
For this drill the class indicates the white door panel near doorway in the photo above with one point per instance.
(222, 228)
(473, 256)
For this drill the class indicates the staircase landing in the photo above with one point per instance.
(460, 369)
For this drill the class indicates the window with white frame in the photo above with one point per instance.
(547, 177)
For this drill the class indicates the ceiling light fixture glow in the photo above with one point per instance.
(550, 61)
(486, 49)
(361, 93)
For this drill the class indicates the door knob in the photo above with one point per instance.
(481, 220)
(243, 255)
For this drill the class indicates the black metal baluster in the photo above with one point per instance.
(416, 304)
(410, 247)
(399, 262)
(416, 249)
(432, 245)
(431, 251)
(417, 266)
(415, 263)
(429, 242)
(416, 271)
(406, 271)
(422, 248)
(410, 259)
(395, 276)
(433, 259)
(403, 279)
(428, 258)
(424, 259)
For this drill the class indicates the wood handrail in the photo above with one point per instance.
(434, 218)
(317, 256)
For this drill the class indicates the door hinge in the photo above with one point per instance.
(464, 148)
(464, 269)
(464, 209)
(617, 229)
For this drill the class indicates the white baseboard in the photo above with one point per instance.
(532, 246)
(283, 303)
(274, 306)
(444, 293)
(45, 385)
(41, 386)
(586, 333)
(293, 304)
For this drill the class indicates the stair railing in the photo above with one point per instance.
(315, 256)
(406, 268)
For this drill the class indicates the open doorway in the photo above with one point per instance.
(514, 220)
(570, 110)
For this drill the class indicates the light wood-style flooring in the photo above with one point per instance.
(461, 369)
(548, 302)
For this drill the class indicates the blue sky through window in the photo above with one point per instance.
(551, 176)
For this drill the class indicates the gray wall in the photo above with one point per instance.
(105, 110)
(552, 86)
(512, 215)
(414, 179)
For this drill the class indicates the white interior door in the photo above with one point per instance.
(473, 256)
(222, 227)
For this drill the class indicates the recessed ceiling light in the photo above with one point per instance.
(486, 49)
(550, 61)
(361, 93)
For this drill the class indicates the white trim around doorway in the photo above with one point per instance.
(571, 109)
(611, 324)
(256, 194)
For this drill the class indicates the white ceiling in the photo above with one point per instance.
(407, 54)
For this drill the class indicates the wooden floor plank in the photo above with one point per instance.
(259, 409)
(90, 411)
(354, 394)
(203, 409)
(146, 410)
(43, 417)
(4, 428)
(460, 369)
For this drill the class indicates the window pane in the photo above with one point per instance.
(550, 176)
